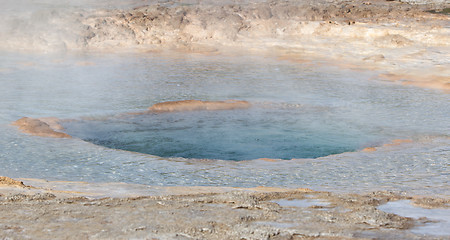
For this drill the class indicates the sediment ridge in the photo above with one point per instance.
(196, 105)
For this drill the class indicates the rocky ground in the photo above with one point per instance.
(201, 213)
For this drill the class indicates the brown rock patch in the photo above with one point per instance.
(38, 127)
(197, 105)
(369, 149)
(6, 181)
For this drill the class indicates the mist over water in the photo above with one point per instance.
(299, 111)
(98, 66)
(39, 25)
(229, 135)
(341, 109)
(52, 25)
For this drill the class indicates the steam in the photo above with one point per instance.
(39, 26)
(50, 25)
(60, 25)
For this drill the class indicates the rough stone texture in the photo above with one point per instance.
(213, 213)
(6, 181)
(424, 1)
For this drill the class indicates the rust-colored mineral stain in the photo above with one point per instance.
(269, 159)
(397, 142)
(198, 105)
(369, 149)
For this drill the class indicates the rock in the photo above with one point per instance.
(10, 182)
(369, 149)
(197, 105)
(38, 127)
(53, 123)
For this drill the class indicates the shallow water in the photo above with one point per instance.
(302, 203)
(439, 224)
(342, 110)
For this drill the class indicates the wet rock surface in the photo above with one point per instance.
(196, 105)
(233, 214)
(39, 127)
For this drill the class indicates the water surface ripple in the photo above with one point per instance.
(350, 108)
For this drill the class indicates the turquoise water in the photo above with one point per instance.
(299, 111)
(258, 132)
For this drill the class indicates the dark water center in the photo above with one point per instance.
(244, 134)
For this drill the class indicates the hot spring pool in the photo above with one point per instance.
(320, 116)
(263, 131)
